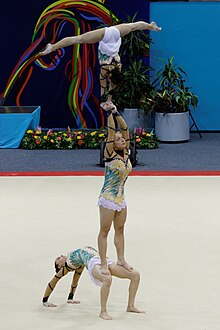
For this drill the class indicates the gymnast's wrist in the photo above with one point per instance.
(115, 113)
(70, 296)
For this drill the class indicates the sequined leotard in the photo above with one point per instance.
(76, 261)
(81, 257)
(112, 193)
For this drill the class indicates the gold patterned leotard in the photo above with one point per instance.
(112, 193)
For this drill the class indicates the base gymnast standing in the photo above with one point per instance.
(111, 202)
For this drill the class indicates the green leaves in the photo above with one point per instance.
(170, 93)
(133, 87)
(135, 84)
(135, 45)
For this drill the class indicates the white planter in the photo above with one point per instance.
(172, 127)
(136, 118)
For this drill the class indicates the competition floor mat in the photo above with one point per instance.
(171, 236)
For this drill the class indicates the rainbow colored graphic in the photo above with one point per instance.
(80, 16)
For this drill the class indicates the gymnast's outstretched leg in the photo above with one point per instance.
(85, 38)
(126, 28)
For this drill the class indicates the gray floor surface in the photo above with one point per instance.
(199, 154)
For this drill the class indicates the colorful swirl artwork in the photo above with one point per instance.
(81, 16)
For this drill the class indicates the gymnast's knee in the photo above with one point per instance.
(107, 280)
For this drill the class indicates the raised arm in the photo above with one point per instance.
(109, 150)
(51, 285)
(108, 106)
(76, 277)
(123, 127)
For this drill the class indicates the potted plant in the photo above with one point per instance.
(128, 95)
(171, 101)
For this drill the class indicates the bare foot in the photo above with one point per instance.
(71, 301)
(105, 316)
(133, 309)
(104, 270)
(155, 27)
(125, 265)
(47, 304)
(47, 50)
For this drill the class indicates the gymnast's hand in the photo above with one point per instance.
(72, 301)
(48, 49)
(47, 304)
(108, 106)
(155, 27)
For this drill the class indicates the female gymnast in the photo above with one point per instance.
(111, 202)
(88, 257)
(109, 39)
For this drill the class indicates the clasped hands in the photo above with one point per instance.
(108, 106)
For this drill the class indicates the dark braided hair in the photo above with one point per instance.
(116, 75)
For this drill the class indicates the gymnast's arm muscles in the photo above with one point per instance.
(124, 129)
(110, 139)
(51, 285)
(76, 277)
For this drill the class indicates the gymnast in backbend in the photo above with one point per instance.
(88, 257)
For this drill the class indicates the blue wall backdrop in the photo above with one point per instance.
(66, 83)
(191, 34)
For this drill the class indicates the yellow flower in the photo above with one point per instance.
(37, 132)
(79, 132)
(35, 136)
(69, 139)
(29, 131)
(148, 134)
(64, 134)
(101, 135)
(78, 137)
(93, 133)
(45, 137)
(52, 141)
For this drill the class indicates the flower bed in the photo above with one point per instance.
(80, 139)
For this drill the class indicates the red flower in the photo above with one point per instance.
(37, 141)
(80, 142)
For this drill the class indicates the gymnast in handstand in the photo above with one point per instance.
(88, 257)
(109, 39)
